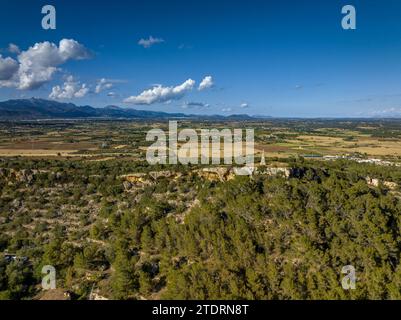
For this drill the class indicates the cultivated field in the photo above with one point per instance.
(276, 138)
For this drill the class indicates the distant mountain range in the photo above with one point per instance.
(40, 109)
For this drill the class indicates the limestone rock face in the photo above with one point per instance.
(220, 174)
(390, 185)
(276, 171)
(160, 174)
(135, 177)
(216, 174)
(376, 182)
(372, 182)
(142, 179)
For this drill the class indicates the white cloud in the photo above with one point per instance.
(112, 94)
(103, 84)
(8, 69)
(13, 48)
(392, 112)
(38, 64)
(159, 94)
(147, 43)
(244, 105)
(70, 89)
(226, 110)
(188, 105)
(71, 49)
(206, 83)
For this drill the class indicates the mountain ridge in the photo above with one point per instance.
(37, 109)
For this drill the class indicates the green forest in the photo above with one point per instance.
(259, 237)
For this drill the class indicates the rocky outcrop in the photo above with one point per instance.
(142, 179)
(216, 174)
(390, 185)
(135, 177)
(127, 185)
(273, 171)
(219, 174)
(162, 174)
(96, 296)
(55, 294)
(373, 182)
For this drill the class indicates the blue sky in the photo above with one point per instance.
(278, 58)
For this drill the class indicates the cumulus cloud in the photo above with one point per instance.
(226, 109)
(206, 83)
(244, 105)
(147, 43)
(8, 68)
(13, 48)
(70, 89)
(159, 94)
(38, 64)
(103, 84)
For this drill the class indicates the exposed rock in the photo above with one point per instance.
(127, 185)
(96, 296)
(276, 171)
(158, 174)
(376, 182)
(372, 182)
(390, 185)
(135, 177)
(216, 174)
(55, 294)
(221, 174)
(142, 179)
